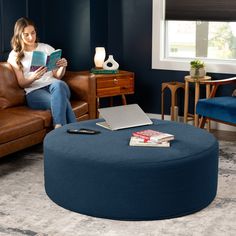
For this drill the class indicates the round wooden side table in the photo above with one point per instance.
(197, 82)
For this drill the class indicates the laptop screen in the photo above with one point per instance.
(126, 116)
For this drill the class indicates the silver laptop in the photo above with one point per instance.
(121, 117)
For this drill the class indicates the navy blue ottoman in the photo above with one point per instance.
(101, 175)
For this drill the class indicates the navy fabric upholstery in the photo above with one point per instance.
(101, 175)
(219, 108)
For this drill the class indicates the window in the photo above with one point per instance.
(177, 42)
(209, 40)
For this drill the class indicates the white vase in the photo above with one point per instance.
(99, 56)
(197, 73)
(110, 60)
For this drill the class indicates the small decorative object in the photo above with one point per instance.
(110, 64)
(197, 69)
(99, 56)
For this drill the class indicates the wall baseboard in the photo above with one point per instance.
(214, 125)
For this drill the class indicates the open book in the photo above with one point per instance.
(40, 58)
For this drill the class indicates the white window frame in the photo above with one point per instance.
(158, 48)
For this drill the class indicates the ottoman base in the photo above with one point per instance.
(86, 175)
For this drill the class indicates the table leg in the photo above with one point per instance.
(173, 105)
(186, 97)
(98, 105)
(162, 104)
(111, 101)
(208, 88)
(197, 91)
(123, 99)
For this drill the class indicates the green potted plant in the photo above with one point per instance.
(197, 68)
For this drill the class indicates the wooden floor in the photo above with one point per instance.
(224, 135)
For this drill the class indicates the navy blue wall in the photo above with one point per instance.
(68, 27)
(123, 27)
(10, 11)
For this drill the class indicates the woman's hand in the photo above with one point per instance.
(26, 82)
(62, 62)
(39, 73)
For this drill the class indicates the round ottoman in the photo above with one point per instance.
(101, 175)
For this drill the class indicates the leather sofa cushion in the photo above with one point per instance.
(78, 85)
(14, 126)
(45, 115)
(79, 107)
(10, 93)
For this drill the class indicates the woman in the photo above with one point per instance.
(44, 89)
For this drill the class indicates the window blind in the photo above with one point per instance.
(204, 10)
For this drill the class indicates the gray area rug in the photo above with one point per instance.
(25, 208)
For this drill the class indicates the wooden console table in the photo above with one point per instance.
(110, 85)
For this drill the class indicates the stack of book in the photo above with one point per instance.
(151, 138)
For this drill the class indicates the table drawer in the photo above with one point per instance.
(106, 92)
(112, 86)
(113, 82)
(114, 91)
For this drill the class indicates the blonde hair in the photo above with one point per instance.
(17, 43)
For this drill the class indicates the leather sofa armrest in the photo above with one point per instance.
(82, 88)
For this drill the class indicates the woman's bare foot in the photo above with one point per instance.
(57, 126)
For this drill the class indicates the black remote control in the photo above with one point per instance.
(82, 131)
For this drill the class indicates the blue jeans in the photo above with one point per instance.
(56, 98)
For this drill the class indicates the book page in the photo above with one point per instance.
(38, 60)
(52, 59)
(135, 141)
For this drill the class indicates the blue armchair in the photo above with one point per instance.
(220, 109)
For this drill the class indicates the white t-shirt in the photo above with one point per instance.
(46, 79)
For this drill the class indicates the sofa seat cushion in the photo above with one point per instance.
(45, 115)
(79, 107)
(218, 108)
(14, 126)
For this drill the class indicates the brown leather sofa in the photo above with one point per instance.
(22, 127)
